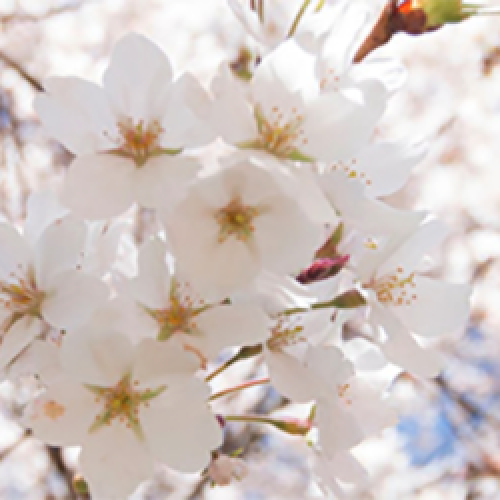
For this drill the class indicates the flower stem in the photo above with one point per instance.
(244, 353)
(295, 427)
(320, 5)
(260, 10)
(240, 387)
(347, 300)
(298, 17)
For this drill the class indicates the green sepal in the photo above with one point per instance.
(348, 300)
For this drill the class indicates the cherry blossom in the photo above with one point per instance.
(235, 223)
(41, 280)
(171, 310)
(402, 300)
(126, 406)
(283, 113)
(129, 134)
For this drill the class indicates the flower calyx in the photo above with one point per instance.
(278, 136)
(140, 142)
(122, 402)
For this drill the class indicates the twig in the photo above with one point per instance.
(27, 76)
(390, 22)
(56, 458)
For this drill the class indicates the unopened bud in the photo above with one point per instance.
(293, 426)
(439, 12)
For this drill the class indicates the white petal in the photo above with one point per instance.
(439, 307)
(17, 337)
(289, 377)
(63, 414)
(338, 49)
(215, 269)
(102, 245)
(415, 247)
(151, 287)
(387, 166)
(349, 120)
(181, 433)
(99, 186)
(229, 326)
(72, 299)
(401, 348)
(163, 181)
(59, 248)
(96, 357)
(342, 465)
(285, 237)
(390, 72)
(159, 363)
(276, 78)
(187, 115)
(41, 358)
(231, 102)
(76, 113)
(329, 365)
(42, 209)
(15, 252)
(114, 462)
(138, 76)
(338, 429)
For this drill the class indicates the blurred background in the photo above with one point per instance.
(447, 446)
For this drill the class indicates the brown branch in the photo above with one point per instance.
(55, 455)
(27, 76)
(391, 21)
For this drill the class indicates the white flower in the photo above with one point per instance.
(127, 407)
(336, 48)
(127, 135)
(235, 223)
(382, 168)
(343, 399)
(171, 310)
(367, 223)
(402, 301)
(41, 279)
(283, 112)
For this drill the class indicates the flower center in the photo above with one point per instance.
(20, 296)
(139, 141)
(280, 136)
(393, 289)
(236, 219)
(122, 402)
(283, 335)
(180, 313)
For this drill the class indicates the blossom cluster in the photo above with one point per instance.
(272, 240)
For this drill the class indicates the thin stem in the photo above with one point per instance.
(317, 305)
(252, 5)
(244, 353)
(261, 10)
(298, 18)
(320, 5)
(240, 387)
(295, 427)
(249, 418)
(22, 72)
